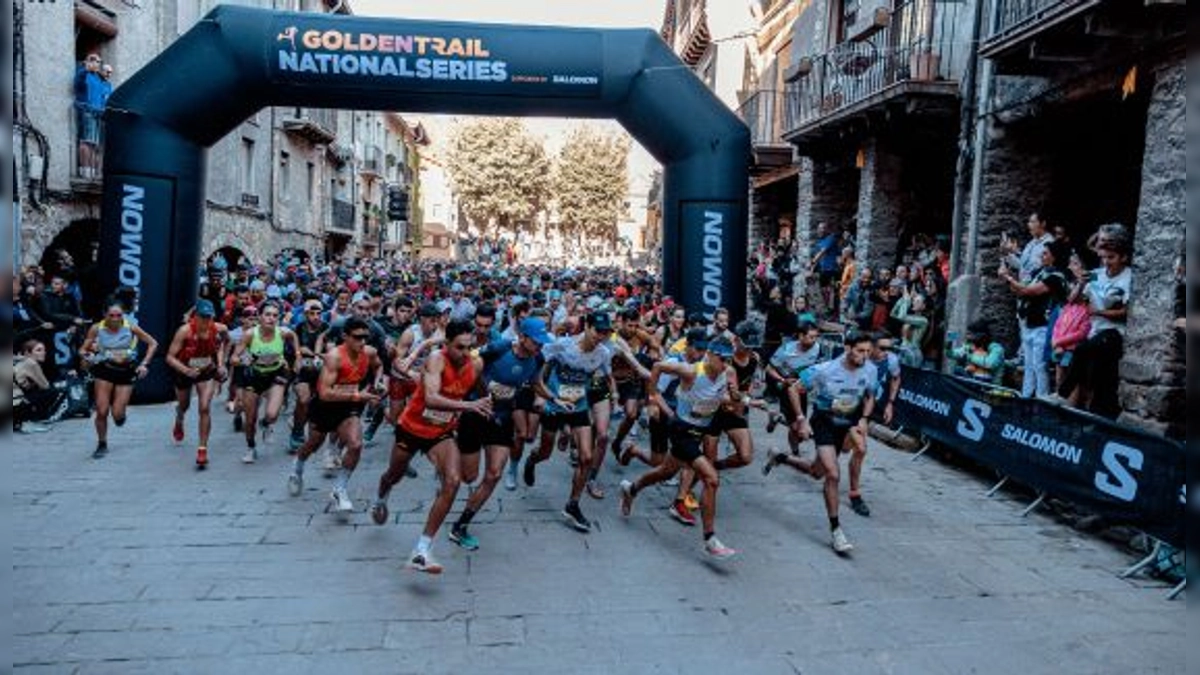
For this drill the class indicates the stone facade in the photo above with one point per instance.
(827, 192)
(882, 204)
(1154, 369)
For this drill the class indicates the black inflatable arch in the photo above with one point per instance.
(238, 60)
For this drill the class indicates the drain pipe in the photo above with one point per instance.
(968, 180)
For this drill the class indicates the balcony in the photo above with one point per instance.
(342, 216)
(89, 150)
(1057, 37)
(901, 63)
(372, 166)
(765, 113)
(316, 126)
(688, 35)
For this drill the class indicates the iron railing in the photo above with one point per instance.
(765, 112)
(917, 43)
(342, 217)
(1016, 14)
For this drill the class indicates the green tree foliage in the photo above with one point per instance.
(501, 173)
(591, 185)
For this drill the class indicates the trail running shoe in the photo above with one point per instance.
(679, 512)
(177, 432)
(101, 450)
(463, 538)
(716, 549)
(510, 476)
(250, 457)
(690, 502)
(627, 497)
(341, 500)
(841, 545)
(424, 562)
(202, 458)
(860, 507)
(774, 459)
(530, 473)
(576, 519)
(379, 512)
(774, 420)
(594, 489)
(295, 484)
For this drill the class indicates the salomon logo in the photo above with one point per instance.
(132, 222)
(714, 247)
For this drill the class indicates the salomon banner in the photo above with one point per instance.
(709, 255)
(1109, 469)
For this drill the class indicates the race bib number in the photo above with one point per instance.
(844, 405)
(116, 356)
(501, 392)
(706, 408)
(200, 363)
(571, 392)
(308, 364)
(346, 388)
(439, 418)
(267, 359)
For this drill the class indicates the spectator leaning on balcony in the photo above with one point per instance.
(1036, 301)
(89, 103)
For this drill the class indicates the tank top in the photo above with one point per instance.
(117, 347)
(351, 371)
(697, 405)
(197, 352)
(745, 373)
(424, 422)
(267, 357)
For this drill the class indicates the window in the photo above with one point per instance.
(285, 175)
(248, 183)
(310, 183)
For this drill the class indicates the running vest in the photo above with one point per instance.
(116, 347)
(697, 405)
(267, 357)
(199, 353)
(424, 422)
(351, 371)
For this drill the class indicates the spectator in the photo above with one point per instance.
(1092, 380)
(849, 274)
(826, 266)
(909, 313)
(1037, 299)
(27, 322)
(979, 357)
(1031, 255)
(860, 300)
(89, 104)
(1073, 325)
(34, 399)
(60, 307)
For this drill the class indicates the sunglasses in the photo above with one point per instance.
(359, 336)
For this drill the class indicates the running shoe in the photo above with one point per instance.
(250, 457)
(679, 512)
(576, 519)
(295, 484)
(424, 562)
(510, 476)
(332, 462)
(841, 545)
(31, 428)
(627, 497)
(202, 458)
(860, 507)
(626, 455)
(341, 500)
(101, 450)
(379, 512)
(464, 539)
(296, 440)
(774, 459)
(774, 420)
(690, 502)
(177, 432)
(530, 473)
(673, 481)
(717, 550)
(594, 489)
(268, 431)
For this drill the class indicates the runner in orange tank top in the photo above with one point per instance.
(197, 358)
(348, 382)
(427, 426)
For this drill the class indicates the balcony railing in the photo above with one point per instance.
(1014, 15)
(342, 217)
(314, 124)
(916, 44)
(373, 162)
(765, 113)
(89, 143)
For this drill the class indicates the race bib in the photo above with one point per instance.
(439, 418)
(116, 355)
(200, 363)
(267, 359)
(571, 392)
(308, 364)
(501, 392)
(346, 388)
(844, 405)
(706, 408)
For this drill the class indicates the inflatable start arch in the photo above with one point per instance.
(238, 60)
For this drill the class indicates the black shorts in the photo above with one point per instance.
(526, 399)
(829, 431)
(327, 416)
(184, 383)
(414, 444)
(119, 375)
(598, 395)
(687, 442)
(260, 383)
(725, 421)
(308, 376)
(785, 407)
(631, 390)
(476, 432)
(560, 421)
(830, 279)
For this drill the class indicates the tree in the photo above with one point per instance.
(591, 184)
(500, 173)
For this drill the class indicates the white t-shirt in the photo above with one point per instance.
(1105, 292)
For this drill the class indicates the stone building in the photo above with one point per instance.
(303, 180)
(1082, 120)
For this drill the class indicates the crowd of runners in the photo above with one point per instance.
(486, 371)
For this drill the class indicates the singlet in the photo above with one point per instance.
(197, 352)
(428, 423)
(504, 374)
(886, 370)
(572, 371)
(267, 357)
(791, 361)
(117, 347)
(623, 371)
(308, 338)
(840, 392)
(697, 405)
(745, 373)
(351, 372)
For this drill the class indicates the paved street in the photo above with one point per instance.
(138, 564)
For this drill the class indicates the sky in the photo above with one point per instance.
(578, 13)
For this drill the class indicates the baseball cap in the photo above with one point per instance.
(721, 347)
(600, 321)
(313, 306)
(534, 329)
(205, 309)
(697, 338)
(429, 310)
(457, 288)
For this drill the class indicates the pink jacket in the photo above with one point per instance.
(1073, 325)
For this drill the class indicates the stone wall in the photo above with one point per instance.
(1154, 368)
(252, 234)
(827, 192)
(882, 203)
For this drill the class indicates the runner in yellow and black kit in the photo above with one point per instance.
(265, 350)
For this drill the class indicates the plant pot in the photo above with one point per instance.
(924, 66)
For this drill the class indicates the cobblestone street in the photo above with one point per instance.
(139, 564)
